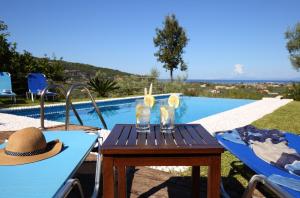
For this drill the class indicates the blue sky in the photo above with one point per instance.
(228, 39)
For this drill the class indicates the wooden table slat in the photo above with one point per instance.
(124, 136)
(195, 135)
(141, 138)
(186, 136)
(169, 139)
(209, 139)
(159, 136)
(178, 137)
(113, 137)
(190, 138)
(151, 136)
(132, 137)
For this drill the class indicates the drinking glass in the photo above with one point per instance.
(142, 117)
(167, 115)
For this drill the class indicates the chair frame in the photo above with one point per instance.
(68, 187)
(12, 97)
(268, 184)
(255, 179)
(73, 182)
(33, 95)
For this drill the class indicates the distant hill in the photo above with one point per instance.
(83, 72)
(91, 69)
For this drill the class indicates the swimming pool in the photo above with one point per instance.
(123, 111)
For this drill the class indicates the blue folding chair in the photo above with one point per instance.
(52, 177)
(36, 83)
(262, 168)
(5, 86)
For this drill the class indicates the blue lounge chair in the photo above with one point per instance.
(36, 83)
(262, 168)
(5, 86)
(51, 177)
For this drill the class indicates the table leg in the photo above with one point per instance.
(108, 177)
(196, 181)
(214, 178)
(121, 181)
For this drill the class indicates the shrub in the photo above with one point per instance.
(191, 92)
(294, 92)
(102, 85)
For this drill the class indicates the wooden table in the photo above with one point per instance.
(188, 145)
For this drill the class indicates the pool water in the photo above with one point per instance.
(123, 111)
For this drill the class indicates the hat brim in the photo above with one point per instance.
(56, 147)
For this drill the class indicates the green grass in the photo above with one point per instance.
(22, 102)
(285, 118)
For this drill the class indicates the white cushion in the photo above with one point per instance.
(7, 91)
(102, 133)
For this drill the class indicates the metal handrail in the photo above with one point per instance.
(42, 103)
(68, 102)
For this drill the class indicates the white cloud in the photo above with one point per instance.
(238, 69)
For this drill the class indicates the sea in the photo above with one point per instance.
(242, 81)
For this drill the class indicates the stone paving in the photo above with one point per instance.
(9, 122)
(242, 115)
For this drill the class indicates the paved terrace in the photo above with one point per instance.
(242, 115)
(9, 122)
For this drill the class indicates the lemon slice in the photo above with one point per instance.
(149, 100)
(164, 114)
(173, 101)
(138, 112)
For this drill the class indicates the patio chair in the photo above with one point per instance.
(52, 177)
(263, 169)
(36, 83)
(5, 86)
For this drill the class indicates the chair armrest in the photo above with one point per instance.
(269, 185)
(98, 168)
(68, 187)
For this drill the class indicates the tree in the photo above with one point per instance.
(293, 45)
(170, 42)
(20, 64)
(183, 77)
(7, 49)
(154, 73)
(52, 68)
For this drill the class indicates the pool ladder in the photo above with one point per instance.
(68, 96)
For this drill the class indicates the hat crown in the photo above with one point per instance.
(26, 140)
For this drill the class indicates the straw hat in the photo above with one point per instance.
(28, 145)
